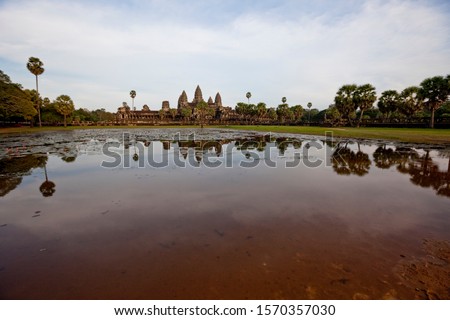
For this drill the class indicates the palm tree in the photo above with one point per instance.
(162, 114)
(132, 95)
(243, 110)
(345, 101)
(261, 110)
(272, 113)
(186, 113)
(248, 95)
(410, 101)
(309, 105)
(64, 105)
(283, 112)
(365, 98)
(388, 102)
(202, 109)
(173, 112)
(35, 66)
(297, 111)
(332, 115)
(434, 91)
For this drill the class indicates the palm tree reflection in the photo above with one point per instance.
(384, 158)
(423, 170)
(12, 170)
(345, 161)
(47, 188)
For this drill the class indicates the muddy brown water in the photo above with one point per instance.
(281, 217)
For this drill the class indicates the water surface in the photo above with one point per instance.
(281, 217)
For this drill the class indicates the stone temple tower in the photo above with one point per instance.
(198, 96)
(218, 100)
(183, 100)
(165, 106)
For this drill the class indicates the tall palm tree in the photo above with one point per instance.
(309, 105)
(345, 101)
(248, 95)
(365, 98)
(132, 95)
(35, 66)
(434, 91)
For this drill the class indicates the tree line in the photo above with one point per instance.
(355, 103)
(426, 99)
(283, 113)
(26, 105)
(352, 104)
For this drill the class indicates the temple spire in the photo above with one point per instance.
(198, 96)
(182, 100)
(218, 100)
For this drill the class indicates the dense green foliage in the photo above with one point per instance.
(21, 105)
(64, 105)
(203, 112)
(434, 92)
(410, 101)
(15, 103)
(365, 98)
(389, 102)
(413, 102)
(345, 101)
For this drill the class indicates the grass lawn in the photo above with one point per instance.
(434, 136)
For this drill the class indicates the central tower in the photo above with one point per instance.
(198, 96)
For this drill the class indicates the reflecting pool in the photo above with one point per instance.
(221, 214)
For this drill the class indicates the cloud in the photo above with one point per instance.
(98, 51)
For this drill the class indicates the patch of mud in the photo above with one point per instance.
(428, 275)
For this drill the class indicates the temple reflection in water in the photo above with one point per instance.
(348, 158)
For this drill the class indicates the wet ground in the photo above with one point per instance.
(221, 214)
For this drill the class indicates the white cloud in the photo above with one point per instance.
(97, 52)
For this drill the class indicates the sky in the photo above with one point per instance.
(97, 51)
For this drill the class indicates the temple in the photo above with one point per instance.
(198, 97)
(125, 115)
